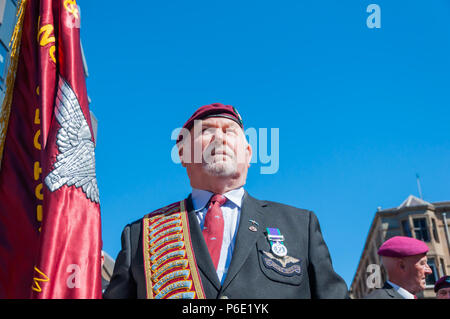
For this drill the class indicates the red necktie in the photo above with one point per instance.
(213, 227)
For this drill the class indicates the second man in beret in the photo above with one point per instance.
(405, 261)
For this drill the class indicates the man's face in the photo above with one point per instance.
(218, 147)
(443, 293)
(417, 269)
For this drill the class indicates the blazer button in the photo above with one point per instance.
(223, 297)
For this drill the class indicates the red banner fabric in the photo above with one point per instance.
(20, 172)
(66, 262)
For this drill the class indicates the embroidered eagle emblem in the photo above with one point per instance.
(284, 261)
(75, 163)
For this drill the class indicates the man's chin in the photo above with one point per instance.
(221, 168)
(423, 284)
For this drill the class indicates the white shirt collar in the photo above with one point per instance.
(201, 197)
(401, 291)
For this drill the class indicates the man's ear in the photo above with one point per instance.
(185, 142)
(249, 152)
(180, 153)
(401, 264)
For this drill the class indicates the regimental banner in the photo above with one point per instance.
(170, 268)
(69, 258)
(50, 229)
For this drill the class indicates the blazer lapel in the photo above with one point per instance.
(202, 257)
(245, 238)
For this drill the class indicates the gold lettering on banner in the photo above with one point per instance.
(37, 119)
(71, 7)
(36, 280)
(51, 52)
(38, 192)
(39, 213)
(36, 140)
(37, 169)
(47, 37)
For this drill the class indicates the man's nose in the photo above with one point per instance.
(219, 136)
(428, 270)
(218, 133)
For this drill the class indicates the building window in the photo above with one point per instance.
(377, 238)
(442, 267)
(421, 229)
(406, 228)
(435, 232)
(433, 277)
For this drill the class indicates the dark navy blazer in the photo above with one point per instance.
(250, 275)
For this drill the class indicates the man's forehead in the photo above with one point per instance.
(416, 258)
(218, 121)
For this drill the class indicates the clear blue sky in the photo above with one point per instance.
(360, 111)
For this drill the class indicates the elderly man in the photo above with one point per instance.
(405, 261)
(442, 288)
(221, 242)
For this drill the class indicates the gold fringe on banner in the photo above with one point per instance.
(14, 45)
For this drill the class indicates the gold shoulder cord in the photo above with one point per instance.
(14, 45)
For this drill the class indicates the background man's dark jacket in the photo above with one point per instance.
(248, 275)
(387, 292)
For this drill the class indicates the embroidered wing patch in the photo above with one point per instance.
(286, 266)
(75, 163)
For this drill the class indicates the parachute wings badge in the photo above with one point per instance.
(75, 163)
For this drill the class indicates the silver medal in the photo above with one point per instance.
(279, 249)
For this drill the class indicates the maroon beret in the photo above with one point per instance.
(400, 246)
(213, 110)
(443, 282)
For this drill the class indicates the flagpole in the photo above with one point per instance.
(418, 186)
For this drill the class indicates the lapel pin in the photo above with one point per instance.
(254, 225)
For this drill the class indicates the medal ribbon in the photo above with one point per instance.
(274, 235)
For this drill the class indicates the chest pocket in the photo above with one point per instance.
(289, 269)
